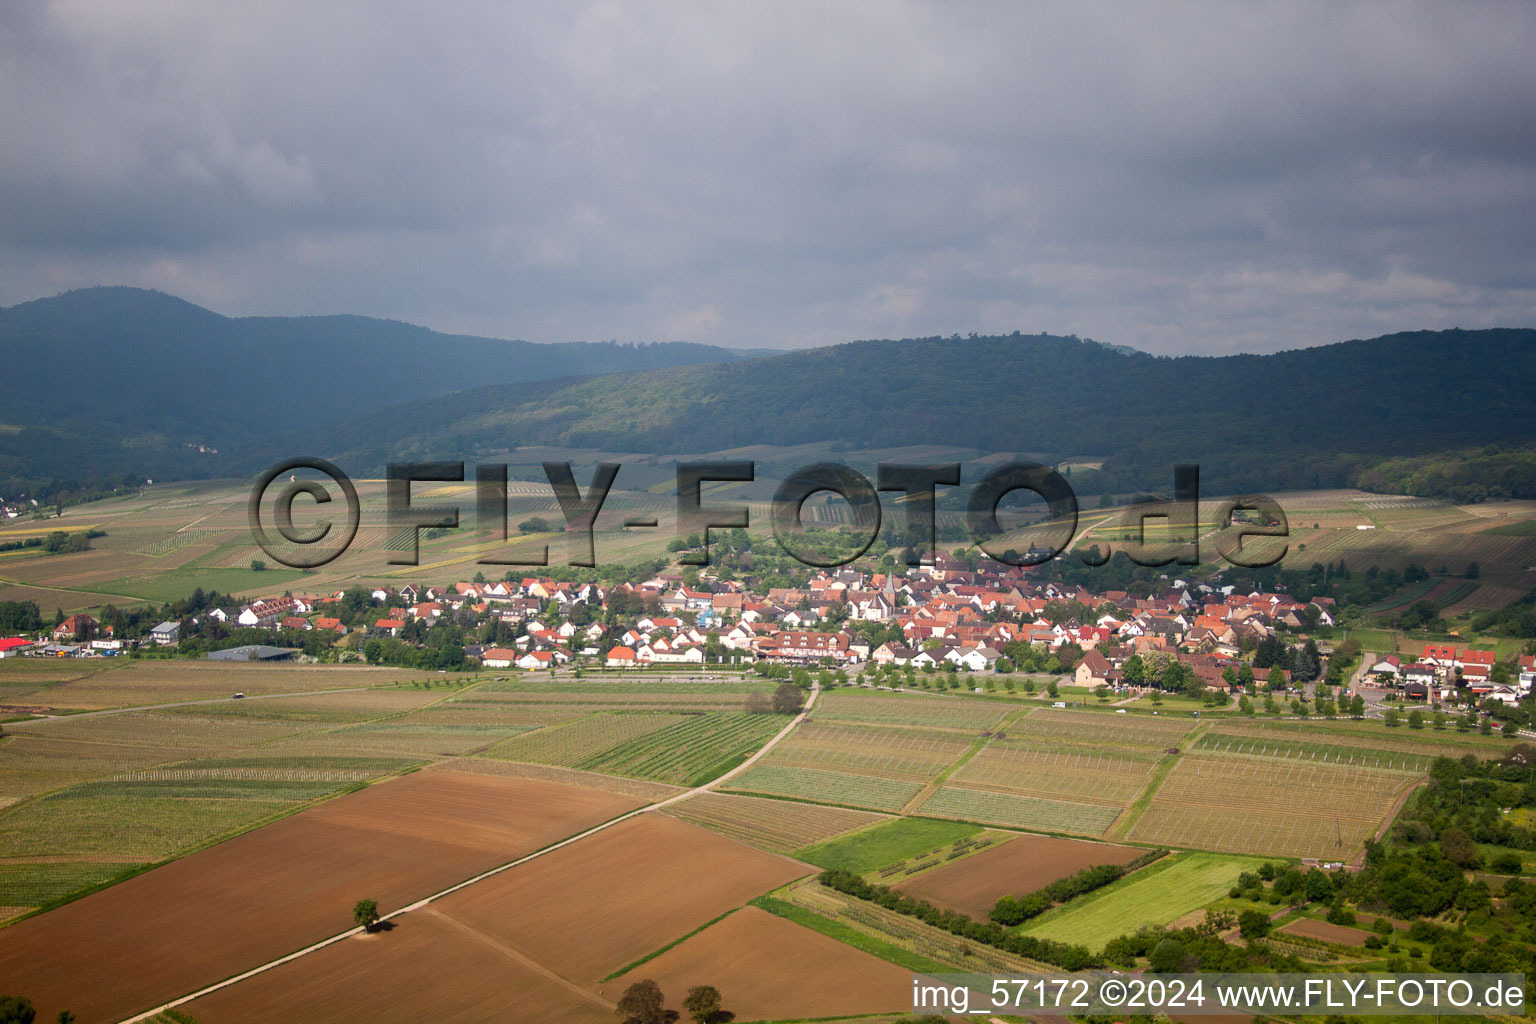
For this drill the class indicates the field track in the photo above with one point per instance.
(265, 893)
(426, 901)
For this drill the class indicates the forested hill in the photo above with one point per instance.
(1308, 417)
(92, 371)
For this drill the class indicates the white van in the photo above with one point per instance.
(1059, 704)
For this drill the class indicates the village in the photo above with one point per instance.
(952, 616)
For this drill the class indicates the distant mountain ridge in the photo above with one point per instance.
(1291, 419)
(114, 376)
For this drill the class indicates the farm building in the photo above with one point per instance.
(251, 652)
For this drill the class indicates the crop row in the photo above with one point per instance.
(827, 787)
(1060, 774)
(779, 825)
(1020, 811)
(678, 753)
(569, 744)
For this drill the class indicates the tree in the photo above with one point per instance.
(1509, 728)
(1458, 848)
(65, 1017)
(366, 913)
(787, 699)
(1390, 718)
(257, 565)
(1167, 956)
(1253, 924)
(16, 1010)
(1415, 719)
(642, 1003)
(703, 1003)
(1052, 690)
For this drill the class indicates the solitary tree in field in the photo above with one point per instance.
(787, 699)
(16, 1010)
(641, 1003)
(366, 913)
(703, 1003)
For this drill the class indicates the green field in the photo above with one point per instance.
(885, 844)
(32, 885)
(690, 752)
(179, 583)
(1524, 528)
(1157, 895)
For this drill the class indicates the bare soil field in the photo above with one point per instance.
(271, 891)
(597, 905)
(767, 968)
(1341, 934)
(972, 885)
(425, 968)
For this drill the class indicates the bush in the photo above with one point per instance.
(1505, 864)
(1061, 954)
(1340, 914)
(1254, 924)
(1374, 942)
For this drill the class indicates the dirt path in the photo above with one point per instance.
(423, 903)
(493, 943)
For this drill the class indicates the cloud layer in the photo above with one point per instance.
(1203, 178)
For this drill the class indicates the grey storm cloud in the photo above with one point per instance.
(1182, 178)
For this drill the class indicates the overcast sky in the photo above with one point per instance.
(1209, 178)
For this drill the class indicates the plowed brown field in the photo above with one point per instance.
(269, 892)
(767, 968)
(1018, 866)
(597, 905)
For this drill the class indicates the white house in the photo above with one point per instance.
(166, 634)
(498, 657)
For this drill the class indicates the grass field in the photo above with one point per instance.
(1156, 895)
(876, 847)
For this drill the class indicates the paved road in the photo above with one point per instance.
(422, 903)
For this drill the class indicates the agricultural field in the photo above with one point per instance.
(80, 685)
(569, 744)
(691, 752)
(428, 968)
(769, 968)
(679, 748)
(895, 840)
(207, 916)
(1103, 776)
(778, 825)
(1017, 866)
(858, 705)
(994, 808)
(1156, 895)
(877, 767)
(1276, 806)
(840, 788)
(597, 906)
